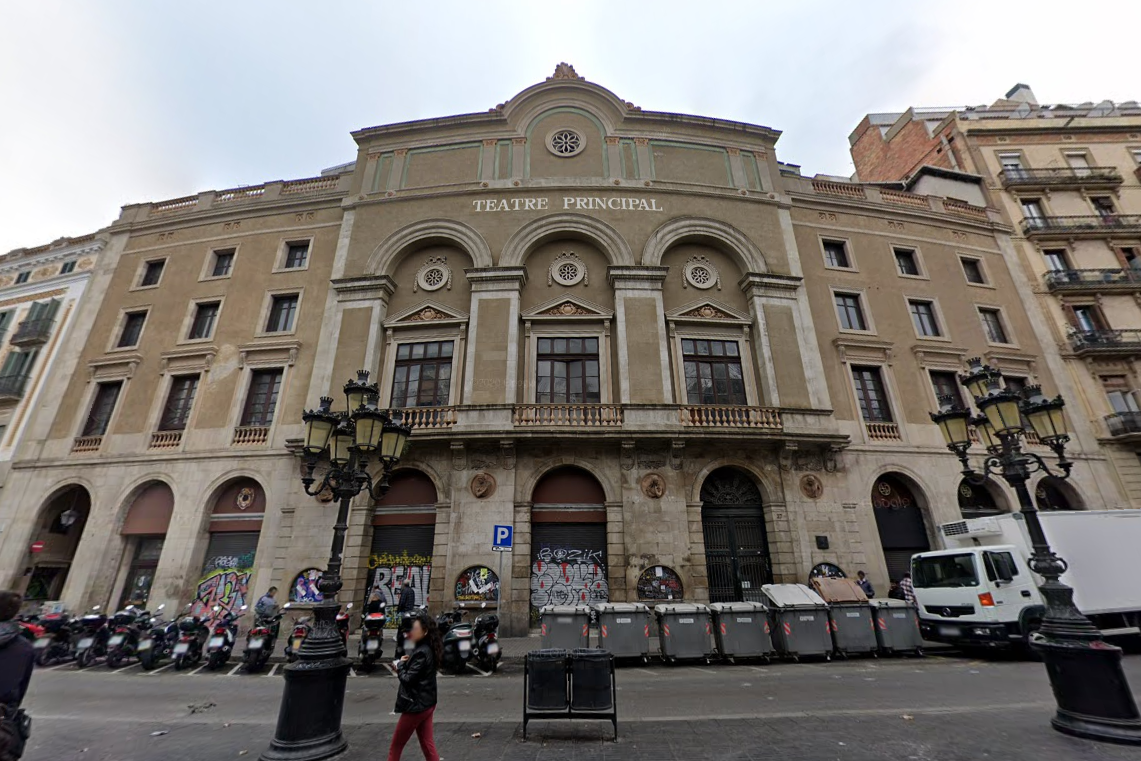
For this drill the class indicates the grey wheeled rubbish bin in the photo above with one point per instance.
(741, 629)
(683, 632)
(624, 629)
(897, 626)
(800, 623)
(849, 615)
(565, 626)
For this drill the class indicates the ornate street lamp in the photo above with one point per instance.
(1093, 696)
(309, 721)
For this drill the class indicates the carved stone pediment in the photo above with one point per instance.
(707, 311)
(426, 311)
(568, 306)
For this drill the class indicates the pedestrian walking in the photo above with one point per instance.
(407, 602)
(908, 588)
(865, 584)
(266, 606)
(416, 698)
(17, 659)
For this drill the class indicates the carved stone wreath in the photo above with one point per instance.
(482, 485)
(700, 273)
(245, 498)
(567, 269)
(565, 142)
(433, 275)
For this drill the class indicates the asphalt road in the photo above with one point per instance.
(932, 708)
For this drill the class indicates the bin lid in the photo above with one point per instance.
(792, 596)
(738, 607)
(839, 590)
(565, 610)
(621, 607)
(890, 603)
(683, 607)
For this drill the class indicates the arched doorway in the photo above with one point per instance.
(977, 500)
(899, 518)
(60, 528)
(1055, 494)
(403, 538)
(736, 545)
(568, 540)
(235, 528)
(144, 531)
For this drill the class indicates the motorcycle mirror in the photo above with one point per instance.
(286, 606)
(95, 607)
(245, 607)
(484, 605)
(160, 607)
(348, 606)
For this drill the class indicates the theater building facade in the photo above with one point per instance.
(677, 368)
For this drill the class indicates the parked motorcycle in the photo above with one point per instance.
(224, 637)
(192, 633)
(56, 644)
(93, 635)
(300, 631)
(260, 641)
(158, 641)
(458, 637)
(486, 633)
(342, 621)
(371, 647)
(30, 628)
(403, 626)
(124, 640)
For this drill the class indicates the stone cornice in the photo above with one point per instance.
(496, 278)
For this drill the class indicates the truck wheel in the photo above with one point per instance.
(1025, 650)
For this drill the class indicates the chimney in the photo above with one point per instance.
(1022, 94)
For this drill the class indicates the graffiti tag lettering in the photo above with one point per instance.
(563, 576)
(388, 573)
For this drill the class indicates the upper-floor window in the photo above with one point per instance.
(871, 395)
(1011, 163)
(1121, 397)
(133, 323)
(222, 263)
(1088, 318)
(924, 319)
(836, 254)
(282, 313)
(907, 261)
(152, 272)
(261, 401)
(18, 365)
(1056, 259)
(1103, 205)
(1130, 258)
(102, 407)
(993, 327)
(422, 375)
(1032, 209)
(946, 383)
(850, 311)
(205, 315)
(713, 373)
(1136, 154)
(5, 322)
(179, 401)
(22, 277)
(973, 270)
(296, 255)
(566, 371)
(1079, 162)
(67, 267)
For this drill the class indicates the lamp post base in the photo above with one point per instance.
(1093, 696)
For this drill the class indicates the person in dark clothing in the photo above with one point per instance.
(375, 602)
(407, 602)
(17, 657)
(865, 584)
(416, 697)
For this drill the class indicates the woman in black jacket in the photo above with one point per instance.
(416, 699)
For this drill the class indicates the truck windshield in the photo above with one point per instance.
(944, 571)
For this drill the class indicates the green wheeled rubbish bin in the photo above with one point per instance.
(564, 626)
(624, 629)
(741, 630)
(683, 632)
(849, 616)
(897, 626)
(800, 623)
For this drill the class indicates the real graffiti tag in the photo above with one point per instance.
(568, 576)
(225, 583)
(388, 573)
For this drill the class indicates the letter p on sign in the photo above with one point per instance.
(501, 539)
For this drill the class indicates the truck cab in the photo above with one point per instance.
(982, 596)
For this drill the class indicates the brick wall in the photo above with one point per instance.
(880, 160)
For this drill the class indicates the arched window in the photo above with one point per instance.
(1055, 494)
(61, 525)
(144, 530)
(403, 538)
(977, 500)
(235, 528)
(900, 521)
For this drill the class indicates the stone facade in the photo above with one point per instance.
(613, 329)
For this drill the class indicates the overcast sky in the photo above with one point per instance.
(114, 102)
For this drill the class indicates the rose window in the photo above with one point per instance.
(434, 277)
(565, 142)
(567, 269)
(700, 276)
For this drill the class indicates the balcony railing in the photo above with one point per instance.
(1094, 280)
(426, 418)
(1088, 225)
(32, 332)
(12, 386)
(86, 443)
(584, 415)
(250, 435)
(166, 439)
(1061, 176)
(1123, 423)
(883, 431)
(710, 416)
(1106, 341)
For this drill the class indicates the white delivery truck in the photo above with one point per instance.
(979, 591)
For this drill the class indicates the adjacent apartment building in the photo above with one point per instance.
(1067, 178)
(679, 369)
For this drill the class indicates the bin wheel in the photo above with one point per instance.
(828, 657)
(919, 653)
(875, 654)
(796, 659)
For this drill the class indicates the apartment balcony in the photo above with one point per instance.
(83, 444)
(12, 387)
(883, 432)
(1094, 281)
(713, 416)
(1061, 177)
(569, 415)
(425, 418)
(166, 440)
(1123, 424)
(1084, 226)
(250, 436)
(31, 332)
(1122, 343)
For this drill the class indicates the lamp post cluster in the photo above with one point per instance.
(1093, 696)
(344, 445)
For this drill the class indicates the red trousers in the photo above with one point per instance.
(421, 724)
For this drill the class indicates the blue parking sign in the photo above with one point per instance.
(501, 539)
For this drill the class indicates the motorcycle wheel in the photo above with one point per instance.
(179, 663)
(147, 660)
(114, 659)
(86, 658)
(43, 657)
(254, 663)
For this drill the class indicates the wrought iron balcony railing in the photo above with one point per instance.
(12, 386)
(1058, 176)
(1106, 341)
(1123, 423)
(1088, 225)
(1118, 279)
(32, 332)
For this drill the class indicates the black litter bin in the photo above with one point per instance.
(576, 686)
(546, 680)
(592, 680)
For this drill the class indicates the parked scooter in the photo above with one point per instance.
(56, 644)
(300, 631)
(224, 637)
(92, 638)
(458, 637)
(487, 653)
(343, 628)
(192, 633)
(403, 626)
(124, 640)
(260, 641)
(371, 645)
(158, 641)
(30, 628)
